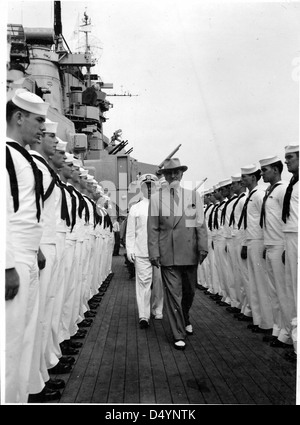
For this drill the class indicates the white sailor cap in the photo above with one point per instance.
(249, 169)
(236, 177)
(268, 160)
(291, 148)
(61, 145)
(95, 182)
(50, 126)
(148, 178)
(90, 178)
(83, 172)
(216, 186)
(69, 158)
(225, 182)
(30, 102)
(76, 163)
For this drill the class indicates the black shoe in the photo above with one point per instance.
(243, 318)
(252, 326)
(259, 330)
(89, 314)
(269, 338)
(75, 344)
(84, 324)
(45, 395)
(143, 324)
(78, 335)
(55, 384)
(60, 368)
(277, 343)
(69, 351)
(67, 360)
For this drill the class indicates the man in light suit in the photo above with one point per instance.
(177, 242)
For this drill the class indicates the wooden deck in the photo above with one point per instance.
(224, 362)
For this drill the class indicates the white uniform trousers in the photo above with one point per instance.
(213, 270)
(70, 270)
(157, 292)
(91, 270)
(97, 265)
(291, 270)
(21, 317)
(104, 259)
(234, 290)
(258, 279)
(39, 373)
(278, 294)
(241, 278)
(222, 266)
(143, 281)
(78, 283)
(83, 306)
(110, 252)
(59, 277)
(202, 273)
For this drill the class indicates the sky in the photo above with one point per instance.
(219, 78)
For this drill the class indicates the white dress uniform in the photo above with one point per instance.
(137, 244)
(207, 280)
(230, 254)
(22, 310)
(211, 251)
(67, 329)
(241, 278)
(290, 230)
(257, 272)
(220, 254)
(54, 339)
(274, 245)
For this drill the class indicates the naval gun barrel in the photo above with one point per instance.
(114, 150)
(200, 184)
(120, 146)
(169, 156)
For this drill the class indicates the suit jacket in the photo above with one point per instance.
(176, 235)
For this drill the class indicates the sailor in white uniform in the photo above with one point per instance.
(290, 230)
(26, 114)
(253, 251)
(137, 252)
(271, 224)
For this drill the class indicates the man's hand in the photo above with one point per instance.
(41, 259)
(283, 257)
(12, 283)
(155, 262)
(202, 256)
(131, 257)
(244, 252)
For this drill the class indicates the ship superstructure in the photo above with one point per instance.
(41, 61)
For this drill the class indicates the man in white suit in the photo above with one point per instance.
(177, 242)
(149, 291)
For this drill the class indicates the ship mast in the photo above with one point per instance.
(87, 25)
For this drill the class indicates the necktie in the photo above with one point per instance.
(38, 177)
(262, 220)
(243, 217)
(287, 199)
(210, 218)
(207, 208)
(223, 215)
(216, 222)
(232, 218)
(53, 175)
